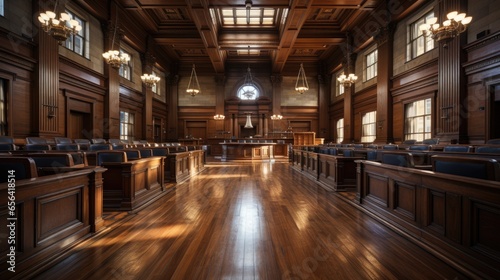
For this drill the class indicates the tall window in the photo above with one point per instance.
(419, 44)
(371, 65)
(76, 42)
(1, 8)
(126, 69)
(418, 120)
(340, 87)
(248, 92)
(3, 108)
(368, 124)
(340, 130)
(127, 122)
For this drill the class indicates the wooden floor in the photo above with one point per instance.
(248, 221)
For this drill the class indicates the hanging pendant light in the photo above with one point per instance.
(301, 84)
(248, 124)
(60, 28)
(193, 85)
(114, 57)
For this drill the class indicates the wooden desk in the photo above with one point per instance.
(247, 151)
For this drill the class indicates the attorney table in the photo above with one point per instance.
(247, 151)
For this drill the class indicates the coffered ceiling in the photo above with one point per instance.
(275, 31)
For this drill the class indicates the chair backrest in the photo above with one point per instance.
(62, 140)
(409, 142)
(133, 154)
(24, 168)
(115, 141)
(111, 156)
(82, 141)
(100, 147)
(68, 147)
(372, 146)
(98, 141)
(36, 140)
(119, 146)
(145, 153)
(493, 141)
(399, 159)
(159, 152)
(333, 151)
(37, 147)
(390, 147)
(420, 148)
(475, 167)
(7, 147)
(488, 150)
(431, 141)
(6, 139)
(52, 159)
(359, 146)
(457, 149)
(348, 153)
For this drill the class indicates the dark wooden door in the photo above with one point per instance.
(80, 125)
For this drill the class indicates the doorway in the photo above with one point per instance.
(494, 112)
(80, 125)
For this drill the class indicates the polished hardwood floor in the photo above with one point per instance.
(248, 221)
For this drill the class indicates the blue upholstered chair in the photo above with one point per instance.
(132, 154)
(36, 140)
(409, 142)
(372, 155)
(7, 147)
(68, 147)
(475, 167)
(111, 156)
(372, 146)
(100, 147)
(420, 148)
(390, 147)
(52, 160)
(62, 140)
(431, 141)
(24, 168)
(159, 152)
(359, 146)
(37, 147)
(332, 151)
(84, 143)
(98, 141)
(493, 141)
(145, 153)
(398, 159)
(457, 149)
(348, 153)
(488, 150)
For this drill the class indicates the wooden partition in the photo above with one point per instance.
(52, 213)
(129, 185)
(183, 165)
(454, 217)
(335, 173)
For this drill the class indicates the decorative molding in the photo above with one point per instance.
(482, 42)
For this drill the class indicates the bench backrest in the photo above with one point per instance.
(159, 152)
(398, 159)
(132, 154)
(62, 140)
(145, 153)
(420, 148)
(100, 147)
(481, 168)
(68, 147)
(37, 147)
(390, 147)
(488, 150)
(457, 149)
(52, 159)
(111, 156)
(24, 168)
(36, 140)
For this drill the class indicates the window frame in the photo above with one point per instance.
(371, 67)
(83, 37)
(408, 135)
(126, 66)
(127, 128)
(340, 130)
(2, 8)
(371, 125)
(412, 44)
(241, 90)
(339, 86)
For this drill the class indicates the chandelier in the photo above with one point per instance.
(60, 28)
(455, 25)
(113, 57)
(248, 124)
(150, 80)
(248, 85)
(219, 117)
(347, 81)
(301, 84)
(248, 6)
(193, 85)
